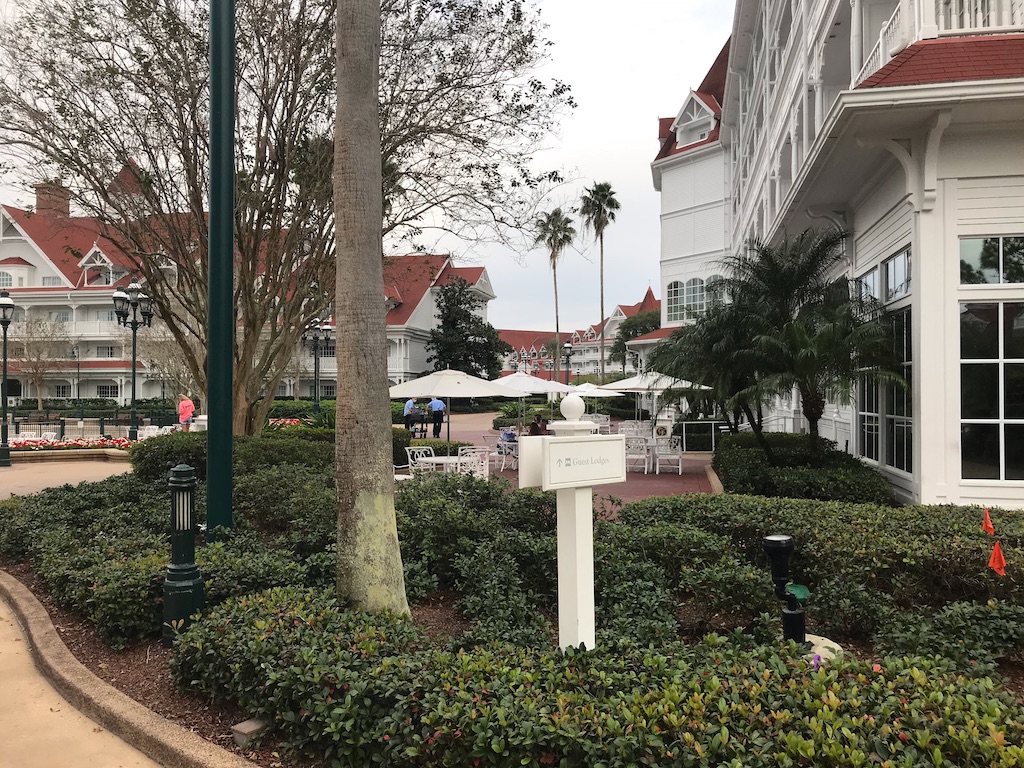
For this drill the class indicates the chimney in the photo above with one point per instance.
(52, 197)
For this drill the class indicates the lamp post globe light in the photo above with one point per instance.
(315, 333)
(136, 303)
(6, 315)
(567, 353)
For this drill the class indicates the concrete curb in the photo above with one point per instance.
(71, 454)
(163, 741)
(716, 484)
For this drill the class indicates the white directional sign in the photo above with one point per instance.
(574, 462)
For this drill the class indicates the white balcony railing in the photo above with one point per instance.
(957, 17)
(952, 17)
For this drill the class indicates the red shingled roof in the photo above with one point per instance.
(658, 335)
(65, 241)
(647, 304)
(15, 261)
(407, 279)
(711, 92)
(527, 340)
(953, 60)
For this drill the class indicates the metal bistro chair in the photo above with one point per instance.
(417, 453)
(492, 450)
(668, 450)
(636, 451)
(475, 460)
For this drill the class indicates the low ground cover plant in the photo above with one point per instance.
(658, 689)
(804, 470)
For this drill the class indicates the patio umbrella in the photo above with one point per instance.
(652, 383)
(449, 384)
(592, 390)
(533, 385)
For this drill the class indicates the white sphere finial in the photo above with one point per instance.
(572, 407)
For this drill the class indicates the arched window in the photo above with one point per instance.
(6, 280)
(711, 291)
(674, 298)
(694, 300)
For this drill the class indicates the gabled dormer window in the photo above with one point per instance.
(694, 122)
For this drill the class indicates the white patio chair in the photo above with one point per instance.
(23, 435)
(629, 428)
(51, 436)
(417, 453)
(667, 450)
(636, 451)
(475, 459)
(509, 453)
(492, 450)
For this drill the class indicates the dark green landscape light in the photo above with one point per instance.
(6, 315)
(184, 590)
(779, 548)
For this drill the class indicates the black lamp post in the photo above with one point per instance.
(6, 315)
(139, 304)
(76, 355)
(315, 333)
(567, 353)
(184, 588)
(779, 548)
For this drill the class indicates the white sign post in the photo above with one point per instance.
(570, 463)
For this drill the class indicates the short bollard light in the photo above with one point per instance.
(779, 548)
(184, 591)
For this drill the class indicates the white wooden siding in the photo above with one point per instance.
(995, 203)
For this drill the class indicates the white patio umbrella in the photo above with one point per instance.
(592, 390)
(654, 384)
(533, 385)
(449, 384)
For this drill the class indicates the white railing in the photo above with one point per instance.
(957, 17)
(884, 49)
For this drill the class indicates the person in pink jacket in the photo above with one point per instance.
(185, 410)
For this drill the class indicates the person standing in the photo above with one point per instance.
(186, 408)
(436, 406)
(410, 407)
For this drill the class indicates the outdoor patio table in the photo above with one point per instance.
(444, 463)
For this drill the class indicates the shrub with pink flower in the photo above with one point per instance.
(38, 444)
(285, 423)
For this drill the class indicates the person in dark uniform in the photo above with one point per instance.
(436, 406)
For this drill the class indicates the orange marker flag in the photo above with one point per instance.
(997, 562)
(986, 524)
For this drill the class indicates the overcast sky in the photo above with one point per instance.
(628, 63)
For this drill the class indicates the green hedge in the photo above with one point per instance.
(357, 690)
(804, 471)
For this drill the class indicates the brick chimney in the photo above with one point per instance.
(52, 197)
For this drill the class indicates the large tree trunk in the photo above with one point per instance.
(369, 558)
(601, 239)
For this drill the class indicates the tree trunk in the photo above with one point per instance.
(755, 425)
(601, 240)
(814, 408)
(369, 558)
(558, 338)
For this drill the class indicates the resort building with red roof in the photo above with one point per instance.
(900, 122)
(59, 269)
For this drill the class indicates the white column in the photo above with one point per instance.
(575, 567)
(856, 38)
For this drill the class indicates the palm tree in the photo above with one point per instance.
(555, 232)
(369, 573)
(597, 211)
(806, 329)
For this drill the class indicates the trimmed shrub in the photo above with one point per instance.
(806, 470)
(441, 447)
(291, 409)
(401, 438)
(152, 458)
(357, 690)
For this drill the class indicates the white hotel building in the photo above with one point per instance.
(902, 121)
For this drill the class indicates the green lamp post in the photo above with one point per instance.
(6, 315)
(184, 588)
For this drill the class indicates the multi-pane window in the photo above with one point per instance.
(6, 280)
(899, 421)
(991, 260)
(896, 271)
(868, 419)
(327, 349)
(49, 281)
(105, 351)
(885, 414)
(694, 301)
(868, 285)
(62, 390)
(675, 311)
(992, 391)
(328, 389)
(62, 316)
(107, 390)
